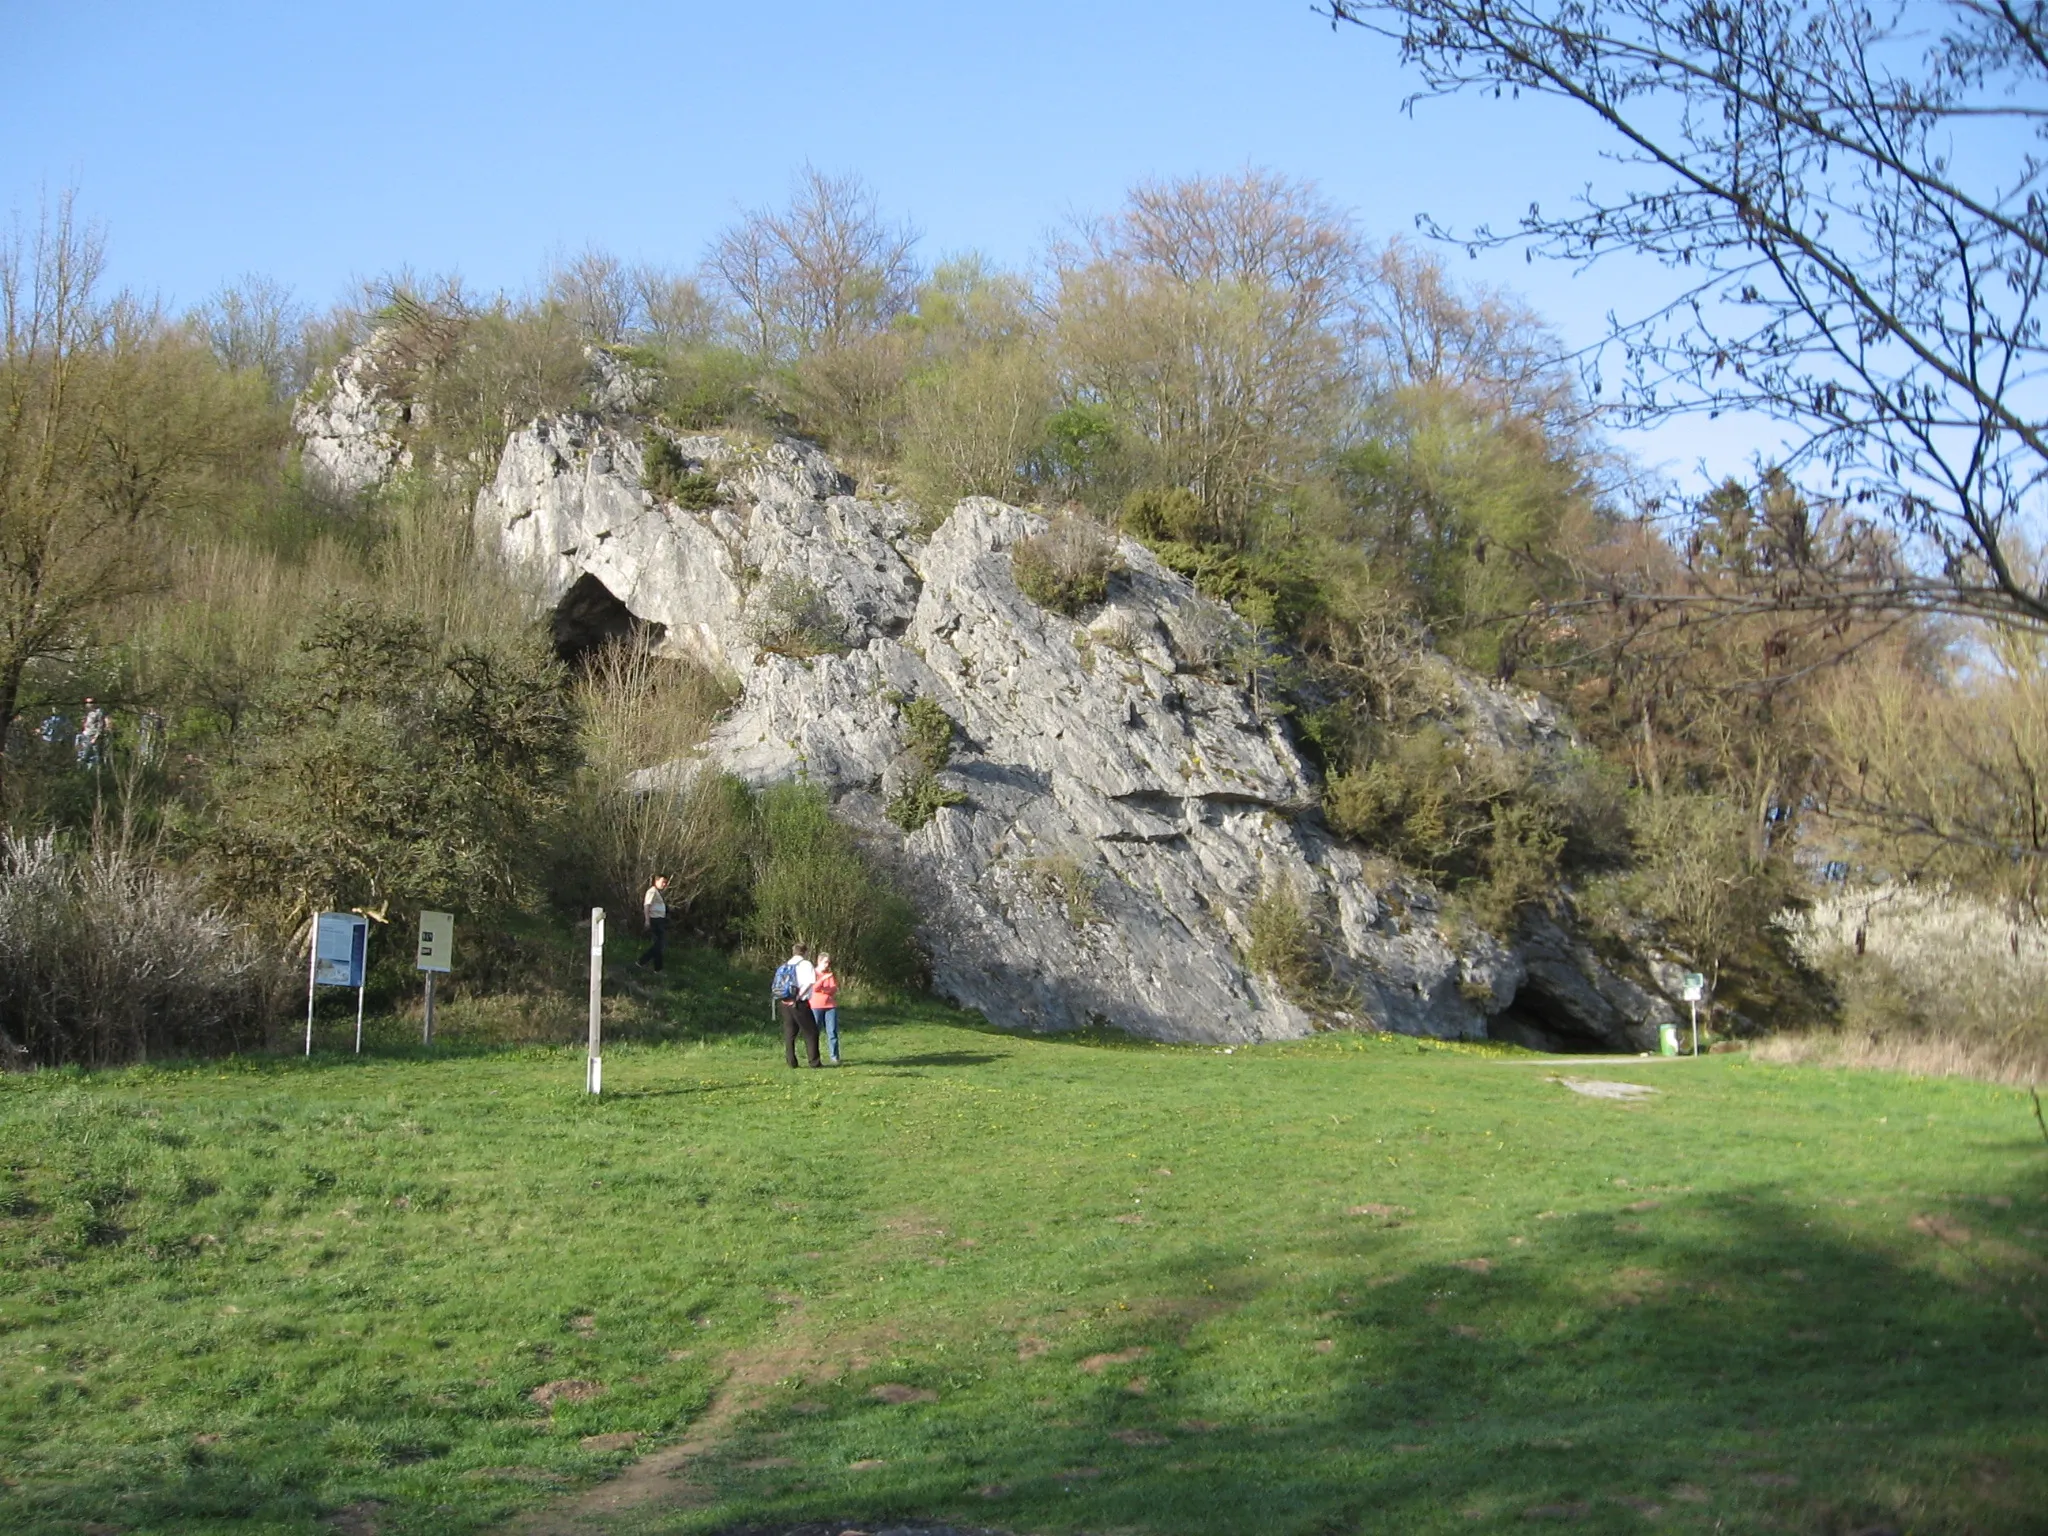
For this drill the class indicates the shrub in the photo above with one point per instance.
(1936, 977)
(105, 959)
(1699, 878)
(1281, 942)
(812, 885)
(637, 711)
(668, 474)
(795, 618)
(972, 425)
(1171, 514)
(709, 387)
(1064, 879)
(398, 768)
(1067, 567)
(920, 799)
(1520, 864)
(928, 733)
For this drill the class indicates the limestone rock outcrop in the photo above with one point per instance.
(568, 506)
(1124, 804)
(348, 428)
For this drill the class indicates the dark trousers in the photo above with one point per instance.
(798, 1019)
(657, 942)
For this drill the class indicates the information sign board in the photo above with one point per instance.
(341, 940)
(437, 942)
(1695, 986)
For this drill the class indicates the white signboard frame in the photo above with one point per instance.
(436, 951)
(338, 956)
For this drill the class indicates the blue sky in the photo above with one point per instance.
(316, 142)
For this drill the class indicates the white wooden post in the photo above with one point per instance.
(594, 1071)
(312, 971)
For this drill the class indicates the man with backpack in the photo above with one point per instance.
(792, 993)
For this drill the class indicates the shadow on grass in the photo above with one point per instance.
(1735, 1362)
(1724, 1363)
(937, 1059)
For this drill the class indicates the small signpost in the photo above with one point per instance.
(1695, 989)
(436, 956)
(593, 1076)
(340, 952)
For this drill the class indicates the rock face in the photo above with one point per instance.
(567, 508)
(1125, 806)
(348, 431)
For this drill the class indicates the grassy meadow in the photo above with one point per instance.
(1348, 1284)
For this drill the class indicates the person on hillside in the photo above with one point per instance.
(825, 1006)
(792, 991)
(92, 736)
(53, 728)
(654, 907)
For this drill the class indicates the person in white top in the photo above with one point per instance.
(792, 990)
(654, 907)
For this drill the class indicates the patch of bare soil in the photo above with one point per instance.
(1094, 1365)
(663, 1477)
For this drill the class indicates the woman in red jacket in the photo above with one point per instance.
(825, 1005)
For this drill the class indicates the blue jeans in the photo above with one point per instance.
(828, 1026)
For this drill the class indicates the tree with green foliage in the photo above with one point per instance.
(395, 771)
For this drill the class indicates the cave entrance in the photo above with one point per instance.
(1537, 1020)
(589, 618)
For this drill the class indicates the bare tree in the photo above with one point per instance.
(1212, 318)
(1854, 208)
(256, 323)
(673, 311)
(819, 274)
(597, 292)
(108, 420)
(1418, 327)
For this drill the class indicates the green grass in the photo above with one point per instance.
(245, 1296)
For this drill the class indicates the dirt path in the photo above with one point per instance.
(662, 1478)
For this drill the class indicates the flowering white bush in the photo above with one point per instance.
(106, 958)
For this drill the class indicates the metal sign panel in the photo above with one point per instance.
(340, 942)
(1695, 986)
(437, 942)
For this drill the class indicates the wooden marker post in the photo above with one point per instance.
(594, 1072)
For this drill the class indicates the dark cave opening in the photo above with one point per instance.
(1539, 1021)
(589, 618)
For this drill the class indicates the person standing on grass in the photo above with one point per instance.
(792, 990)
(654, 907)
(825, 1006)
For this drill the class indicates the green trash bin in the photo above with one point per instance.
(1667, 1039)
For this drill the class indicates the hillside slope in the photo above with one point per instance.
(1120, 800)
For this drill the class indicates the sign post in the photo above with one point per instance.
(340, 948)
(436, 956)
(1695, 989)
(593, 1077)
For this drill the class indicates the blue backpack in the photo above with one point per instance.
(785, 982)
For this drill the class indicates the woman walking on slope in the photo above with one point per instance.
(825, 1006)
